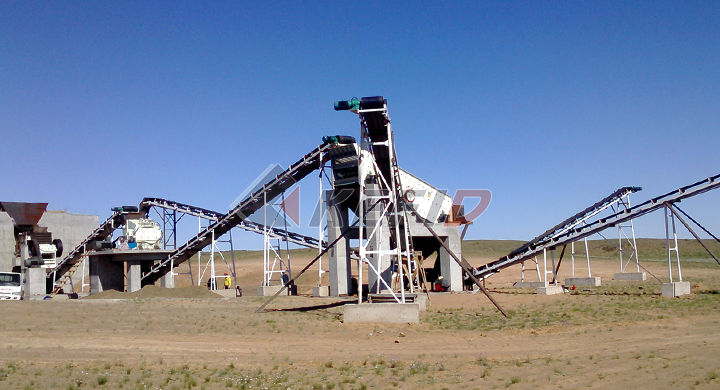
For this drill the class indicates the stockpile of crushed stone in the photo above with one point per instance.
(151, 291)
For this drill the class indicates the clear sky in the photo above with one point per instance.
(551, 105)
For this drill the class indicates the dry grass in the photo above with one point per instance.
(618, 335)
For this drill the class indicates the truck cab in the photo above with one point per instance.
(10, 287)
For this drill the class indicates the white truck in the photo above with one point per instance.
(10, 287)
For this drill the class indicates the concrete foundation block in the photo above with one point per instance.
(386, 297)
(583, 282)
(168, 281)
(675, 289)
(398, 313)
(422, 300)
(550, 290)
(630, 276)
(322, 291)
(34, 283)
(528, 284)
(226, 293)
(268, 291)
(134, 274)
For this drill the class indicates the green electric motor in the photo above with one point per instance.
(338, 139)
(345, 105)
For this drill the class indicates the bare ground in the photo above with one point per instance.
(618, 335)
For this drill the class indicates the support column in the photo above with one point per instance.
(379, 241)
(449, 269)
(134, 273)
(339, 254)
(168, 281)
(34, 283)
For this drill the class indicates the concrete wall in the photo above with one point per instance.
(339, 254)
(450, 235)
(7, 242)
(72, 229)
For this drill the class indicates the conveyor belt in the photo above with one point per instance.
(295, 238)
(374, 117)
(580, 232)
(147, 203)
(578, 218)
(236, 216)
(66, 264)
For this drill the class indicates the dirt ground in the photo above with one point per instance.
(619, 335)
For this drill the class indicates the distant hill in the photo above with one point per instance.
(648, 248)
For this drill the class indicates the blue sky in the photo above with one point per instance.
(550, 105)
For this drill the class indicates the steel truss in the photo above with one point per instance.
(380, 209)
(274, 252)
(269, 232)
(64, 270)
(622, 205)
(211, 260)
(562, 235)
(617, 201)
(236, 216)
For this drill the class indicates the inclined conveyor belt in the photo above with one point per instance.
(295, 238)
(236, 216)
(586, 230)
(100, 234)
(374, 118)
(578, 218)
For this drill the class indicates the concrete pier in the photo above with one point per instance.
(322, 291)
(550, 290)
(168, 281)
(420, 299)
(450, 235)
(339, 256)
(528, 284)
(134, 275)
(630, 276)
(268, 291)
(398, 313)
(583, 282)
(675, 289)
(378, 242)
(34, 283)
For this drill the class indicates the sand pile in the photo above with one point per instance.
(151, 291)
(699, 287)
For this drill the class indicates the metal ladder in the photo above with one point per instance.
(377, 139)
(66, 277)
(68, 264)
(401, 211)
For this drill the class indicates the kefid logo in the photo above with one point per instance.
(484, 195)
(288, 204)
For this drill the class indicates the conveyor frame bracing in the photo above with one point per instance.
(236, 216)
(292, 237)
(380, 187)
(99, 234)
(65, 268)
(550, 241)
